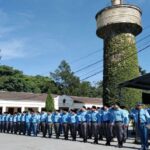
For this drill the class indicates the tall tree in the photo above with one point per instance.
(65, 78)
(49, 105)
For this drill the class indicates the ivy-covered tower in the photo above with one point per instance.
(118, 25)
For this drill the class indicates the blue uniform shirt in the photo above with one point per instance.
(3, 117)
(18, 117)
(11, 118)
(34, 118)
(15, 118)
(73, 118)
(65, 118)
(43, 117)
(117, 115)
(89, 116)
(57, 118)
(143, 114)
(49, 118)
(7, 117)
(105, 115)
(23, 117)
(95, 117)
(79, 116)
(28, 118)
(84, 116)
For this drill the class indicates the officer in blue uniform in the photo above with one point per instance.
(105, 116)
(28, 123)
(4, 122)
(73, 121)
(84, 119)
(79, 123)
(19, 122)
(7, 122)
(125, 126)
(89, 123)
(15, 123)
(23, 123)
(43, 122)
(11, 123)
(65, 125)
(34, 122)
(96, 119)
(49, 123)
(118, 118)
(142, 118)
(57, 121)
(38, 124)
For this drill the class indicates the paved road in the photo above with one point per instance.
(17, 142)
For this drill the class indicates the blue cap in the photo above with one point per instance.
(139, 103)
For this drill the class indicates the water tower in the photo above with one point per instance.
(118, 25)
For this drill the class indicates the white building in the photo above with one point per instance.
(21, 101)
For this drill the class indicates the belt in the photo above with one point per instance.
(106, 121)
(94, 121)
(118, 122)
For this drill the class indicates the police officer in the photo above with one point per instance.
(28, 123)
(23, 123)
(125, 126)
(43, 122)
(38, 124)
(89, 124)
(142, 118)
(105, 116)
(95, 118)
(84, 118)
(15, 123)
(79, 123)
(19, 122)
(11, 123)
(34, 121)
(57, 121)
(49, 123)
(65, 125)
(73, 121)
(7, 122)
(117, 118)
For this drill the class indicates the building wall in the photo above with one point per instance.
(60, 102)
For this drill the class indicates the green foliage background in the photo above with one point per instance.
(49, 102)
(61, 81)
(120, 67)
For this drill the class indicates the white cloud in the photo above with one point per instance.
(12, 49)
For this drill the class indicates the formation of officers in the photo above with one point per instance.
(87, 123)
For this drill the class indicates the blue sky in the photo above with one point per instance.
(35, 35)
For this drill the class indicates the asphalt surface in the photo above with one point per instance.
(19, 142)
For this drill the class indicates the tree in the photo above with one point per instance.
(49, 105)
(65, 79)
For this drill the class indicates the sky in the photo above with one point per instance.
(36, 35)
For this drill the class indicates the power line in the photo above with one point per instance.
(90, 54)
(88, 66)
(119, 62)
(92, 75)
(140, 40)
(90, 72)
(86, 56)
